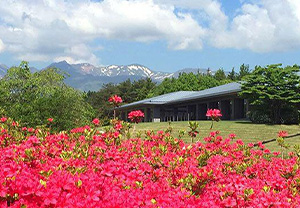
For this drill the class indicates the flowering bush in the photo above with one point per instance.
(215, 114)
(86, 168)
(136, 116)
(96, 122)
(282, 134)
(115, 100)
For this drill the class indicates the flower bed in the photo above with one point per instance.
(86, 168)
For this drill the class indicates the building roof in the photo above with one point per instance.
(233, 87)
(182, 96)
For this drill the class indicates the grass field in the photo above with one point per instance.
(244, 130)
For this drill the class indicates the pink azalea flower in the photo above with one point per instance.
(96, 122)
(282, 134)
(136, 116)
(3, 119)
(115, 100)
(215, 114)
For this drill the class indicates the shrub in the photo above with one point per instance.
(290, 116)
(259, 117)
(86, 168)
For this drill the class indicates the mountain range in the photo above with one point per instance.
(87, 77)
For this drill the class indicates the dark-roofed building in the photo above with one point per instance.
(191, 105)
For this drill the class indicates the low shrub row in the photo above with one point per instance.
(88, 168)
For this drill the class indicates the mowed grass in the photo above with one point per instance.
(245, 130)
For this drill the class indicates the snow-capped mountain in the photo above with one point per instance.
(133, 70)
(88, 77)
(116, 70)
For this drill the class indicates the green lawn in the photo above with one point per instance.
(244, 130)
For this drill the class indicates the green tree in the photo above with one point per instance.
(187, 82)
(232, 75)
(166, 86)
(273, 89)
(99, 100)
(125, 90)
(244, 71)
(220, 75)
(207, 81)
(33, 98)
(141, 88)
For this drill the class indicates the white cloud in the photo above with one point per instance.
(54, 29)
(1, 46)
(40, 30)
(259, 25)
(272, 25)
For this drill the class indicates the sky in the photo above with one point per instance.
(164, 35)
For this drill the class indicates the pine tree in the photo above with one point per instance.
(273, 88)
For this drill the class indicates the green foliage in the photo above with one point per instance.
(271, 89)
(193, 125)
(167, 86)
(259, 116)
(232, 75)
(244, 71)
(188, 82)
(127, 90)
(220, 75)
(36, 97)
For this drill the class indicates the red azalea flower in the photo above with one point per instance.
(115, 100)
(213, 134)
(14, 123)
(276, 153)
(118, 126)
(214, 114)
(96, 121)
(30, 130)
(3, 119)
(282, 134)
(50, 120)
(136, 116)
(232, 136)
(193, 133)
(250, 145)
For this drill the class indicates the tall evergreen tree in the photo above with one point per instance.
(273, 88)
(244, 70)
(220, 75)
(232, 75)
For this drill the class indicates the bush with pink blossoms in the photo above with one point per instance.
(136, 116)
(215, 114)
(115, 100)
(87, 168)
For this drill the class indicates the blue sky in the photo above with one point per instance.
(164, 35)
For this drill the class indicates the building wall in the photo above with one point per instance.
(232, 107)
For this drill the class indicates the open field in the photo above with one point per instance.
(244, 130)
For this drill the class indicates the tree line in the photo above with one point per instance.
(31, 98)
